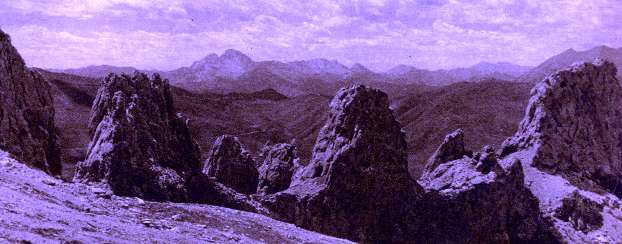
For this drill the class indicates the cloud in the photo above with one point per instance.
(166, 34)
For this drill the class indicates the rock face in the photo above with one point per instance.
(574, 121)
(232, 165)
(570, 147)
(357, 184)
(475, 199)
(140, 145)
(26, 112)
(275, 173)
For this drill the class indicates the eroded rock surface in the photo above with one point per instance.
(140, 145)
(26, 112)
(276, 172)
(570, 147)
(232, 165)
(475, 199)
(357, 184)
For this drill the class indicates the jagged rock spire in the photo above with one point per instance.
(27, 127)
(357, 184)
(140, 145)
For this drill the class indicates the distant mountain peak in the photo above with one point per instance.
(401, 69)
(232, 53)
(359, 68)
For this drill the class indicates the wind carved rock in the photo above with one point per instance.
(27, 127)
(232, 165)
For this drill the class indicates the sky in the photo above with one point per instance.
(430, 34)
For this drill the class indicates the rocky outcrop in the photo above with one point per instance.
(570, 147)
(26, 112)
(232, 165)
(476, 199)
(574, 121)
(452, 148)
(278, 167)
(140, 145)
(357, 184)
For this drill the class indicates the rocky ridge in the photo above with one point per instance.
(27, 128)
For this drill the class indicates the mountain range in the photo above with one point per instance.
(234, 71)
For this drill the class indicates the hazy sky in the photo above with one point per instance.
(166, 34)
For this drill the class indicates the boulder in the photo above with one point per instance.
(278, 167)
(232, 165)
(27, 128)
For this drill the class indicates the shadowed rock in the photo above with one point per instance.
(276, 171)
(232, 165)
(26, 112)
(140, 145)
(357, 184)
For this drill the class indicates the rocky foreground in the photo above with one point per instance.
(38, 208)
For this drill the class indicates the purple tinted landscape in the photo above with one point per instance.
(399, 121)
